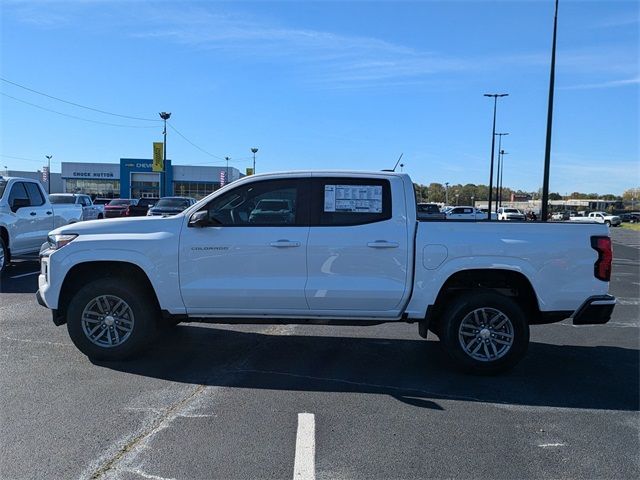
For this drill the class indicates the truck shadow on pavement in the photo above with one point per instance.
(416, 372)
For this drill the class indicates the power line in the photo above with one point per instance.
(73, 116)
(193, 144)
(77, 104)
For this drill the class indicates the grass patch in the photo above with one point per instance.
(631, 226)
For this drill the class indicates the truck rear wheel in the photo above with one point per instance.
(485, 333)
(111, 319)
(4, 255)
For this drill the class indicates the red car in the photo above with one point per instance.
(119, 207)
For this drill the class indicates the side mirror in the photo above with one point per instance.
(199, 219)
(19, 203)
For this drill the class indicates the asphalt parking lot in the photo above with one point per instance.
(224, 402)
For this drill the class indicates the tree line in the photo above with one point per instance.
(459, 194)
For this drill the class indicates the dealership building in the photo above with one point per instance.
(135, 178)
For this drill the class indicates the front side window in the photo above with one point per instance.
(350, 201)
(265, 203)
(17, 192)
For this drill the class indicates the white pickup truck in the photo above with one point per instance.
(598, 217)
(27, 216)
(90, 210)
(348, 250)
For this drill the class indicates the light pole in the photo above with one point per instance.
(446, 193)
(501, 154)
(401, 166)
(495, 97)
(48, 157)
(547, 149)
(499, 135)
(473, 201)
(164, 116)
(457, 196)
(254, 150)
(227, 174)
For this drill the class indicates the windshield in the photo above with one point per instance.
(173, 203)
(120, 202)
(55, 199)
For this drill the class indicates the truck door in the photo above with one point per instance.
(357, 258)
(32, 222)
(250, 256)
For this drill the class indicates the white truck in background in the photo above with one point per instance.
(598, 217)
(90, 210)
(331, 248)
(27, 216)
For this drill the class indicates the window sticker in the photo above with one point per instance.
(353, 198)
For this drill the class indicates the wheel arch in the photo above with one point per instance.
(78, 274)
(509, 283)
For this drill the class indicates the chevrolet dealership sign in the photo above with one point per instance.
(90, 170)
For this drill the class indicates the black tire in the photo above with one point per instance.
(142, 306)
(4, 255)
(452, 336)
(100, 216)
(607, 223)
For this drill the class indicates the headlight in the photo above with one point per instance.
(58, 241)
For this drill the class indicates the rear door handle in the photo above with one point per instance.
(33, 214)
(382, 244)
(284, 244)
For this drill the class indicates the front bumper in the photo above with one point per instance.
(595, 310)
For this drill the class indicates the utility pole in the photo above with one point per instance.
(495, 97)
(547, 149)
(164, 116)
(254, 151)
(446, 193)
(49, 173)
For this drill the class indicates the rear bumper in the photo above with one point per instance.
(595, 310)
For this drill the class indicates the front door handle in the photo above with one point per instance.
(49, 213)
(33, 214)
(382, 244)
(284, 244)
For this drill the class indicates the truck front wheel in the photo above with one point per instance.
(485, 333)
(4, 255)
(111, 319)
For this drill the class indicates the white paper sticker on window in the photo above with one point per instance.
(353, 198)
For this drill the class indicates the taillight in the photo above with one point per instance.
(602, 267)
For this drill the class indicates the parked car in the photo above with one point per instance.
(599, 217)
(429, 211)
(142, 206)
(27, 216)
(119, 207)
(633, 217)
(354, 252)
(494, 214)
(90, 211)
(508, 213)
(171, 205)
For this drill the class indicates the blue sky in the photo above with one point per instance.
(329, 84)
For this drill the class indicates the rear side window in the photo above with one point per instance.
(350, 201)
(35, 195)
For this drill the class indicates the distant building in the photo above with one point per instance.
(135, 178)
(523, 197)
(56, 178)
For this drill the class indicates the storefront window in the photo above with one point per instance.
(98, 188)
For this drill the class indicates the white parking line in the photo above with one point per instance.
(26, 274)
(304, 467)
(547, 445)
